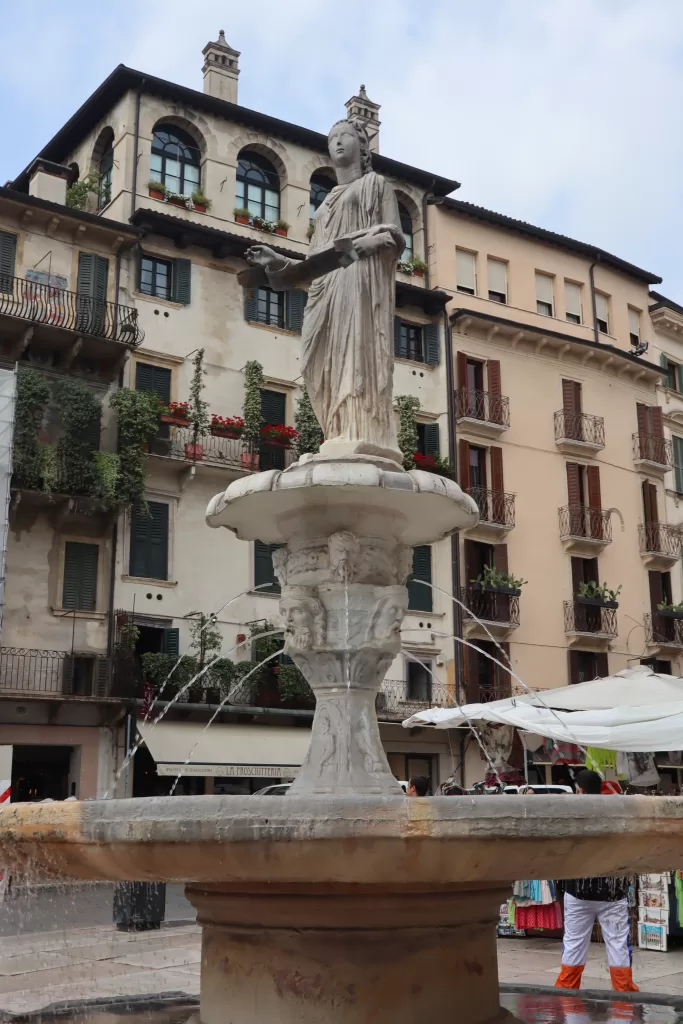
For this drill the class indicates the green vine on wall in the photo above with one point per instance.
(407, 406)
(138, 415)
(199, 418)
(33, 395)
(253, 383)
(309, 434)
(81, 413)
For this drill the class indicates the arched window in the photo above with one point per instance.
(105, 169)
(258, 186)
(407, 228)
(321, 186)
(175, 160)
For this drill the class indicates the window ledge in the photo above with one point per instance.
(414, 362)
(264, 593)
(70, 613)
(425, 615)
(158, 301)
(149, 580)
(274, 330)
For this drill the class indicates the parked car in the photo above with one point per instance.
(540, 789)
(280, 788)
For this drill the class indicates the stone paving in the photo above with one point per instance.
(92, 963)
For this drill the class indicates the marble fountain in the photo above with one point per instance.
(345, 902)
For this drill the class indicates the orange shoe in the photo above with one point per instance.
(570, 977)
(622, 979)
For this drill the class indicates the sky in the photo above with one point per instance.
(564, 113)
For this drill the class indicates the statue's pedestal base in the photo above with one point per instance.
(350, 955)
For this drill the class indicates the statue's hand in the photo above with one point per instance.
(264, 256)
(365, 246)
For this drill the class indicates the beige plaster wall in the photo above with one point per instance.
(86, 740)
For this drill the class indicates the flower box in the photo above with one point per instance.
(250, 461)
(177, 201)
(155, 194)
(200, 207)
(670, 613)
(177, 421)
(241, 220)
(597, 602)
(281, 231)
(234, 432)
(194, 452)
(418, 273)
(503, 591)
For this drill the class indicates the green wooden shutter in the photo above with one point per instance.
(432, 347)
(8, 253)
(679, 376)
(295, 302)
(101, 273)
(263, 568)
(149, 541)
(79, 590)
(92, 292)
(250, 304)
(397, 337)
(102, 677)
(678, 463)
(182, 281)
(419, 596)
(431, 436)
(171, 642)
(153, 378)
(273, 406)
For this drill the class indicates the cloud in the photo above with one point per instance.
(565, 113)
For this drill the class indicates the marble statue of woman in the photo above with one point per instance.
(348, 328)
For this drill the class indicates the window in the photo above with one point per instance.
(270, 307)
(165, 279)
(466, 272)
(544, 295)
(8, 250)
(602, 312)
(497, 280)
(407, 229)
(587, 665)
(258, 186)
(321, 186)
(149, 377)
(175, 160)
(419, 682)
(419, 342)
(672, 377)
(149, 541)
(273, 411)
(79, 590)
(573, 305)
(477, 464)
(263, 568)
(634, 326)
(276, 309)
(678, 463)
(419, 595)
(106, 169)
(428, 438)
(410, 342)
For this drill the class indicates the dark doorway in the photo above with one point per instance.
(146, 781)
(39, 773)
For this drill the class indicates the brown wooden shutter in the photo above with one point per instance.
(577, 574)
(500, 557)
(576, 524)
(650, 510)
(503, 679)
(571, 404)
(495, 390)
(497, 486)
(501, 603)
(656, 595)
(464, 464)
(595, 503)
(601, 664)
(471, 562)
(573, 660)
(471, 675)
(568, 396)
(657, 420)
(462, 369)
(643, 414)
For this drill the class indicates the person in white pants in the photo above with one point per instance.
(589, 899)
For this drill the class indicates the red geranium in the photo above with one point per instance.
(279, 433)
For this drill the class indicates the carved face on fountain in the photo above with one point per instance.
(387, 617)
(303, 618)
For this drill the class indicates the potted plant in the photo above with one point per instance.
(308, 433)
(278, 434)
(417, 266)
(434, 464)
(262, 224)
(309, 231)
(201, 203)
(669, 610)
(251, 434)
(177, 413)
(227, 426)
(242, 215)
(492, 579)
(157, 189)
(281, 227)
(598, 595)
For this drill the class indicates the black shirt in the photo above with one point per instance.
(604, 888)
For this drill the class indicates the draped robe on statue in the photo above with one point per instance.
(348, 332)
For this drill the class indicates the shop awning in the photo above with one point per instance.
(246, 751)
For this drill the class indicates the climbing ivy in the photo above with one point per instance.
(138, 416)
(77, 194)
(253, 382)
(407, 406)
(80, 436)
(33, 395)
(309, 434)
(199, 418)
(291, 684)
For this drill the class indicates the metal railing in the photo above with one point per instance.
(482, 405)
(582, 521)
(589, 618)
(397, 697)
(45, 304)
(660, 539)
(495, 507)
(580, 427)
(651, 448)
(664, 630)
(491, 606)
(59, 673)
(215, 451)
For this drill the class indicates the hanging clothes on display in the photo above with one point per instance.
(534, 904)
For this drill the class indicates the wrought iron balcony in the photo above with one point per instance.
(661, 541)
(397, 699)
(662, 630)
(56, 307)
(590, 526)
(486, 694)
(653, 451)
(495, 607)
(583, 616)
(219, 452)
(496, 508)
(579, 431)
(483, 410)
(53, 673)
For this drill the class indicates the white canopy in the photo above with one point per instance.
(634, 710)
(246, 751)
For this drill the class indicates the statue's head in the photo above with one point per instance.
(348, 144)
(304, 619)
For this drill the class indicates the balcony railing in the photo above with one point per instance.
(398, 698)
(216, 451)
(55, 673)
(660, 539)
(663, 630)
(590, 618)
(577, 521)
(45, 304)
(582, 427)
(496, 508)
(482, 405)
(651, 448)
(491, 606)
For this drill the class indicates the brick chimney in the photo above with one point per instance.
(48, 181)
(361, 108)
(221, 69)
